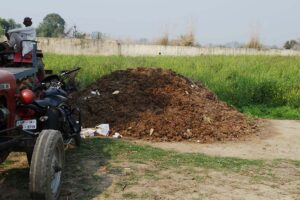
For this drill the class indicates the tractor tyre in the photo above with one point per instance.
(46, 167)
(3, 156)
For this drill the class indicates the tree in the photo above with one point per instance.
(8, 24)
(78, 34)
(290, 44)
(53, 25)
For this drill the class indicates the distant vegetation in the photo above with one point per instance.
(254, 42)
(187, 39)
(264, 86)
(7, 24)
(164, 40)
(53, 25)
(292, 44)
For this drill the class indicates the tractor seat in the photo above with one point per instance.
(54, 101)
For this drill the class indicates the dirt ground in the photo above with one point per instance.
(93, 173)
(145, 181)
(280, 139)
(198, 184)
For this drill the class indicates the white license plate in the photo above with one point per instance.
(27, 124)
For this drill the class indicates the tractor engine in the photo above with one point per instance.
(7, 99)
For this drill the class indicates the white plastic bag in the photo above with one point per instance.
(102, 129)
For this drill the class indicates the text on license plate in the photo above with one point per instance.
(27, 124)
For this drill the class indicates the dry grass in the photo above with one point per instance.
(254, 42)
(187, 39)
(164, 40)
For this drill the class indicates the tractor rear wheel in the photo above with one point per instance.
(46, 167)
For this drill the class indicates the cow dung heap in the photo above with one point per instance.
(160, 105)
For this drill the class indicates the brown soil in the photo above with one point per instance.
(160, 105)
(278, 139)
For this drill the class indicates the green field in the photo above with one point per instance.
(262, 86)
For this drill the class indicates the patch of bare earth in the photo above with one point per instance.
(92, 177)
(280, 139)
(199, 183)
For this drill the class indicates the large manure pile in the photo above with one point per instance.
(160, 105)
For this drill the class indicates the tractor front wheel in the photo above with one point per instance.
(46, 167)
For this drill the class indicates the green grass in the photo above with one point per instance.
(263, 86)
(130, 195)
(280, 112)
(296, 163)
(111, 149)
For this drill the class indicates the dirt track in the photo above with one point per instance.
(280, 139)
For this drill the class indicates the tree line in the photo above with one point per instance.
(53, 25)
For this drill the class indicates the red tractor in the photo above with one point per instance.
(35, 118)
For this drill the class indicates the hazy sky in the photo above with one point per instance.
(214, 21)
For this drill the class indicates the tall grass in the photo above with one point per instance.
(164, 40)
(258, 85)
(187, 39)
(254, 42)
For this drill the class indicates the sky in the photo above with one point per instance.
(213, 21)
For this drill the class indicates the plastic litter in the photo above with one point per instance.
(95, 92)
(102, 129)
(116, 92)
(117, 135)
(87, 132)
